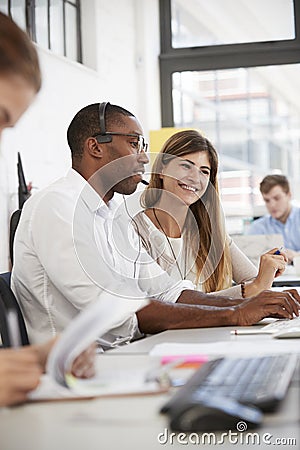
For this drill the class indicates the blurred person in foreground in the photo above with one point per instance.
(20, 80)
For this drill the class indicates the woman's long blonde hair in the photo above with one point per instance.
(212, 255)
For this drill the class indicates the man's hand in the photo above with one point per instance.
(268, 304)
(19, 374)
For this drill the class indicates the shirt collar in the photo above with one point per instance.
(292, 213)
(91, 197)
(109, 210)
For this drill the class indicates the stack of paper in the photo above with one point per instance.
(93, 322)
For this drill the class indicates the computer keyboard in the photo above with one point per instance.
(283, 325)
(260, 381)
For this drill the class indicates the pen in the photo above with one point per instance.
(278, 252)
(252, 331)
(13, 328)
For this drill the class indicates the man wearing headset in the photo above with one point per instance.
(74, 243)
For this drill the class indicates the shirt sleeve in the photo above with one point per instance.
(242, 270)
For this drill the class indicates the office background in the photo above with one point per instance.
(228, 67)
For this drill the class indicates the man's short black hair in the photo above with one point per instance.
(86, 124)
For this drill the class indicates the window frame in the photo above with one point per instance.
(227, 56)
(30, 20)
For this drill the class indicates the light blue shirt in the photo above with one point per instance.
(290, 230)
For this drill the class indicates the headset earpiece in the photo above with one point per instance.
(103, 138)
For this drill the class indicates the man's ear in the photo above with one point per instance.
(94, 148)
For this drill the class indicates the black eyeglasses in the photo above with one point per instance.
(141, 144)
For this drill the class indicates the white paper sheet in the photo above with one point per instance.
(94, 321)
(107, 382)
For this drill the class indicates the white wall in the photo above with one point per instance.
(121, 42)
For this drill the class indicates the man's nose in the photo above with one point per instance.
(143, 158)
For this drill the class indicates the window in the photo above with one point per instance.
(238, 84)
(52, 24)
(195, 22)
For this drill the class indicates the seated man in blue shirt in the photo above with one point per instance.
(283, 218)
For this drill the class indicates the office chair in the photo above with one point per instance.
(8, 301)
(6, 276)
(23, 194)
(3, 327)
(14, 222)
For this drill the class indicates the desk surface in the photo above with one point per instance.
(143, 346)
(130, 422)
(194, 335)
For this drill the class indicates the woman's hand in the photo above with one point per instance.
(270, 267)
(20, 373)
(43, 350)
(21, 369)
(84, 365)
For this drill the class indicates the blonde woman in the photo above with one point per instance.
(182, 225)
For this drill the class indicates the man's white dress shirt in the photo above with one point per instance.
(70, 249)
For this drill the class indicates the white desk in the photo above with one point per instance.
(131, 423)
(143, 346)
(195, 335)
